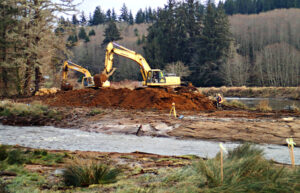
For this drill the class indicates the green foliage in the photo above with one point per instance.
(15, 157)
(82, 34)
(245, 170)
(257, 6)
(92, 32)
(3, 152)
(236, 104)
(111, 33)
(94, 112)
(35, 109)
(81, 175)
(3, 187)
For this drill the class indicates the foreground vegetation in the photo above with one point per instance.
(245, 170)
(34, 113)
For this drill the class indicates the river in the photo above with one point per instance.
(274, 103)
(48, 137)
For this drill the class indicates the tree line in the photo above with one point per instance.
(256, 6)
(101, 17)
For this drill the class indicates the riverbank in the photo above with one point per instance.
(253, 92)
(35, 170)
(219, 125)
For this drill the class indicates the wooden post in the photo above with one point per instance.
(222, 174)
(291, 144)
(221, 160)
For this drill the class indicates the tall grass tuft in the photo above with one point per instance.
(85, 174)
(263, 106)
(245, 170)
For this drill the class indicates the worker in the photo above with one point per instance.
(219, 99)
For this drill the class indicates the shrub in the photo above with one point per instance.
(3, 152)
(81, 175)
(15, 157)
(263, 106)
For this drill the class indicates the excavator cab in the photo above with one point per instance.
(155, 76)
(88, 82)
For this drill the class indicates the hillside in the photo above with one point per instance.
(92, 54)
(265, 50)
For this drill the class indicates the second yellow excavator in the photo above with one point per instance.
(87, 80)
(151, 77)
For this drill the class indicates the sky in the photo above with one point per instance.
(88, 6)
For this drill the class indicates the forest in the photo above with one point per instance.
(235, 43)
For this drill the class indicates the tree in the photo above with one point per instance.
(140, 17)
(82, 34)
(131, 21)
(108, 16)
(98, 17)
(178, 68)
(75, 20)
(111, 33)
(213, 47)
(92, 32)
(82, 19)
(113, 15)
(32, 42)
(124, 14)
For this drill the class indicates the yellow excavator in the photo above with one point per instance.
(87, 80)
(151, 77)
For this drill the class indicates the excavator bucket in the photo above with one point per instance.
(66, 86)
(99, 79)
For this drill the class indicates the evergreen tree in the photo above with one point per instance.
(108, 16)
(111, 33)
(124, 14)
(131, 21)
(92, 32)
(82, 34)
(140, 17)
(75, 20)
(82, 19)
(213, 46)
(113, 15)
(98, 17)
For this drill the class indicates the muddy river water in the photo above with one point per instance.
(274, 103)
(74, 139)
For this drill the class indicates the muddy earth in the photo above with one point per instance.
(146, 112)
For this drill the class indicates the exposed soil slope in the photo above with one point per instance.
(145, 98)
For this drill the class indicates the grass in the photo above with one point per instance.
(85, 174)
(245, 170)
(95, 111)
(263, 106)
(34, 110)
(236, 104)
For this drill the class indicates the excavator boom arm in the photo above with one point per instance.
(122, 51)
(71, 65)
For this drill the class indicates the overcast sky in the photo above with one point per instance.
(88, 6)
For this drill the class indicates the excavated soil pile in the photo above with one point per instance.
(145, 98)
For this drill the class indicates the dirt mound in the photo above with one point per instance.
(145, 98)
